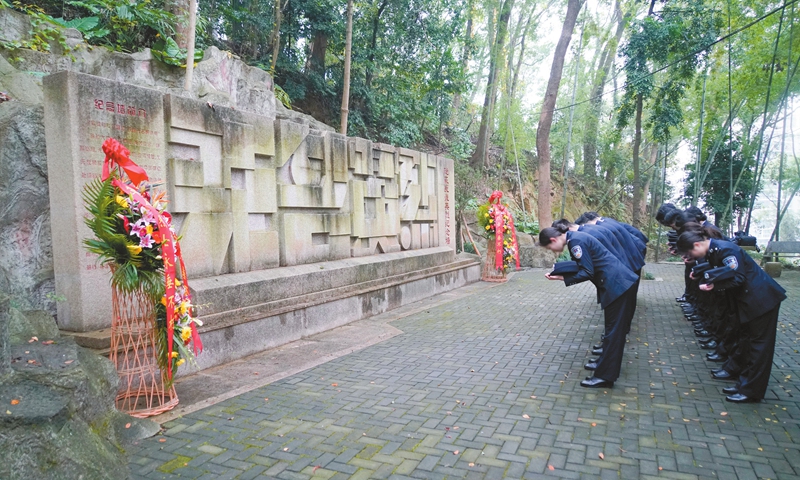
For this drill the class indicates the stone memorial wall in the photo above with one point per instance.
(248, 193)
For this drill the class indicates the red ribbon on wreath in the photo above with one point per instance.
(117, 154)
(499, 212)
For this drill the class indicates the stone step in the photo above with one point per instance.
(288, 318)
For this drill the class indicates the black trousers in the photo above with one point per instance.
(761, 332)
(618, 315)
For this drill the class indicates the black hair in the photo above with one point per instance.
(562, 225)
(669, 217)
(581, 220)
(663, 210)
(694, 232)
(591, 215)
(547, 233)
(696, 213)
(682, 219)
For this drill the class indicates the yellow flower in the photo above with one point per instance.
(149, 229)
(180, 362)
(134, 249)
(121, 201)
(186, 333)
(164, 301)
(174, 354)
(177, 283)
(184, 307)
(485, 214)
(487, 227)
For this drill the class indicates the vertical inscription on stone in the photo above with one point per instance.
(81, 112)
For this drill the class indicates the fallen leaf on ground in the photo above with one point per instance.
(471, 464)
(551, 468)
(455, 452)
(31, 361)
(526, 416)
(48, 342)
(68, 362)
(15, 402)
(285, 449)
(334, 384)
(127, 425)
(315, 468)
(594, 424)
(33, 339)
(602, 457)
(162, 440)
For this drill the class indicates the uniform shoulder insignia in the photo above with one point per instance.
(577, 252)
(731, 262)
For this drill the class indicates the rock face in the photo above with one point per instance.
(27, 274)
(536, 257)
(59, 419)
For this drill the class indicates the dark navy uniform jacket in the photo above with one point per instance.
(611, 277)
(607, 239)
(632, 244)
(754, 292)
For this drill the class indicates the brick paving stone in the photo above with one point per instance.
(494, 375)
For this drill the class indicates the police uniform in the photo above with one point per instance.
(615, 284)
(640, 239)
(757, 298)
(636, 247)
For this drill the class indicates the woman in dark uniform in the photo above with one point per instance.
(616, 287)
(757, 298)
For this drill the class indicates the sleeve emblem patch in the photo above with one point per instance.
(577, 252)
(731, 262)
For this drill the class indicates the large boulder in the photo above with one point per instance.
(536, 257)
(26, 261)
(60, 420)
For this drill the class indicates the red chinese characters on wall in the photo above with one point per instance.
(446, 206)
(119, 108)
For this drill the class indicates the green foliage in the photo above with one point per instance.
(133, 269)
(715, 191)
(170, 53)
(668, 40)
(283, 97)
(127, 25)
(525, 222)
(44, 31)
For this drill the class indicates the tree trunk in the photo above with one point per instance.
(190, 41)
(319, 47)
(647, 179)
(275, 36)
(373, 44)
(479, 156)
(637, 174)
(180, 8)
(596, 99)
(348, 46)
(546, 117)
(465, 54)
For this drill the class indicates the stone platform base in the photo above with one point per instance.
(245, 313)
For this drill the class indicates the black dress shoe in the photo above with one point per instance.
(702, 342)
(682, 298)
(689, 310)
(595, 382)
(598, 345)
(723, 375)
(730, 390)
(590, 366)
(597, 351)
(715, 357)
(709, 346)
(717, 370)
(593, 360)
(694, 318)
(702, 333)
(737, 398)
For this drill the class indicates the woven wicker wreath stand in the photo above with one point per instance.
(490, 273)
(133, 329)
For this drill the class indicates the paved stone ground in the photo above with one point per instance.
(487, 387)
